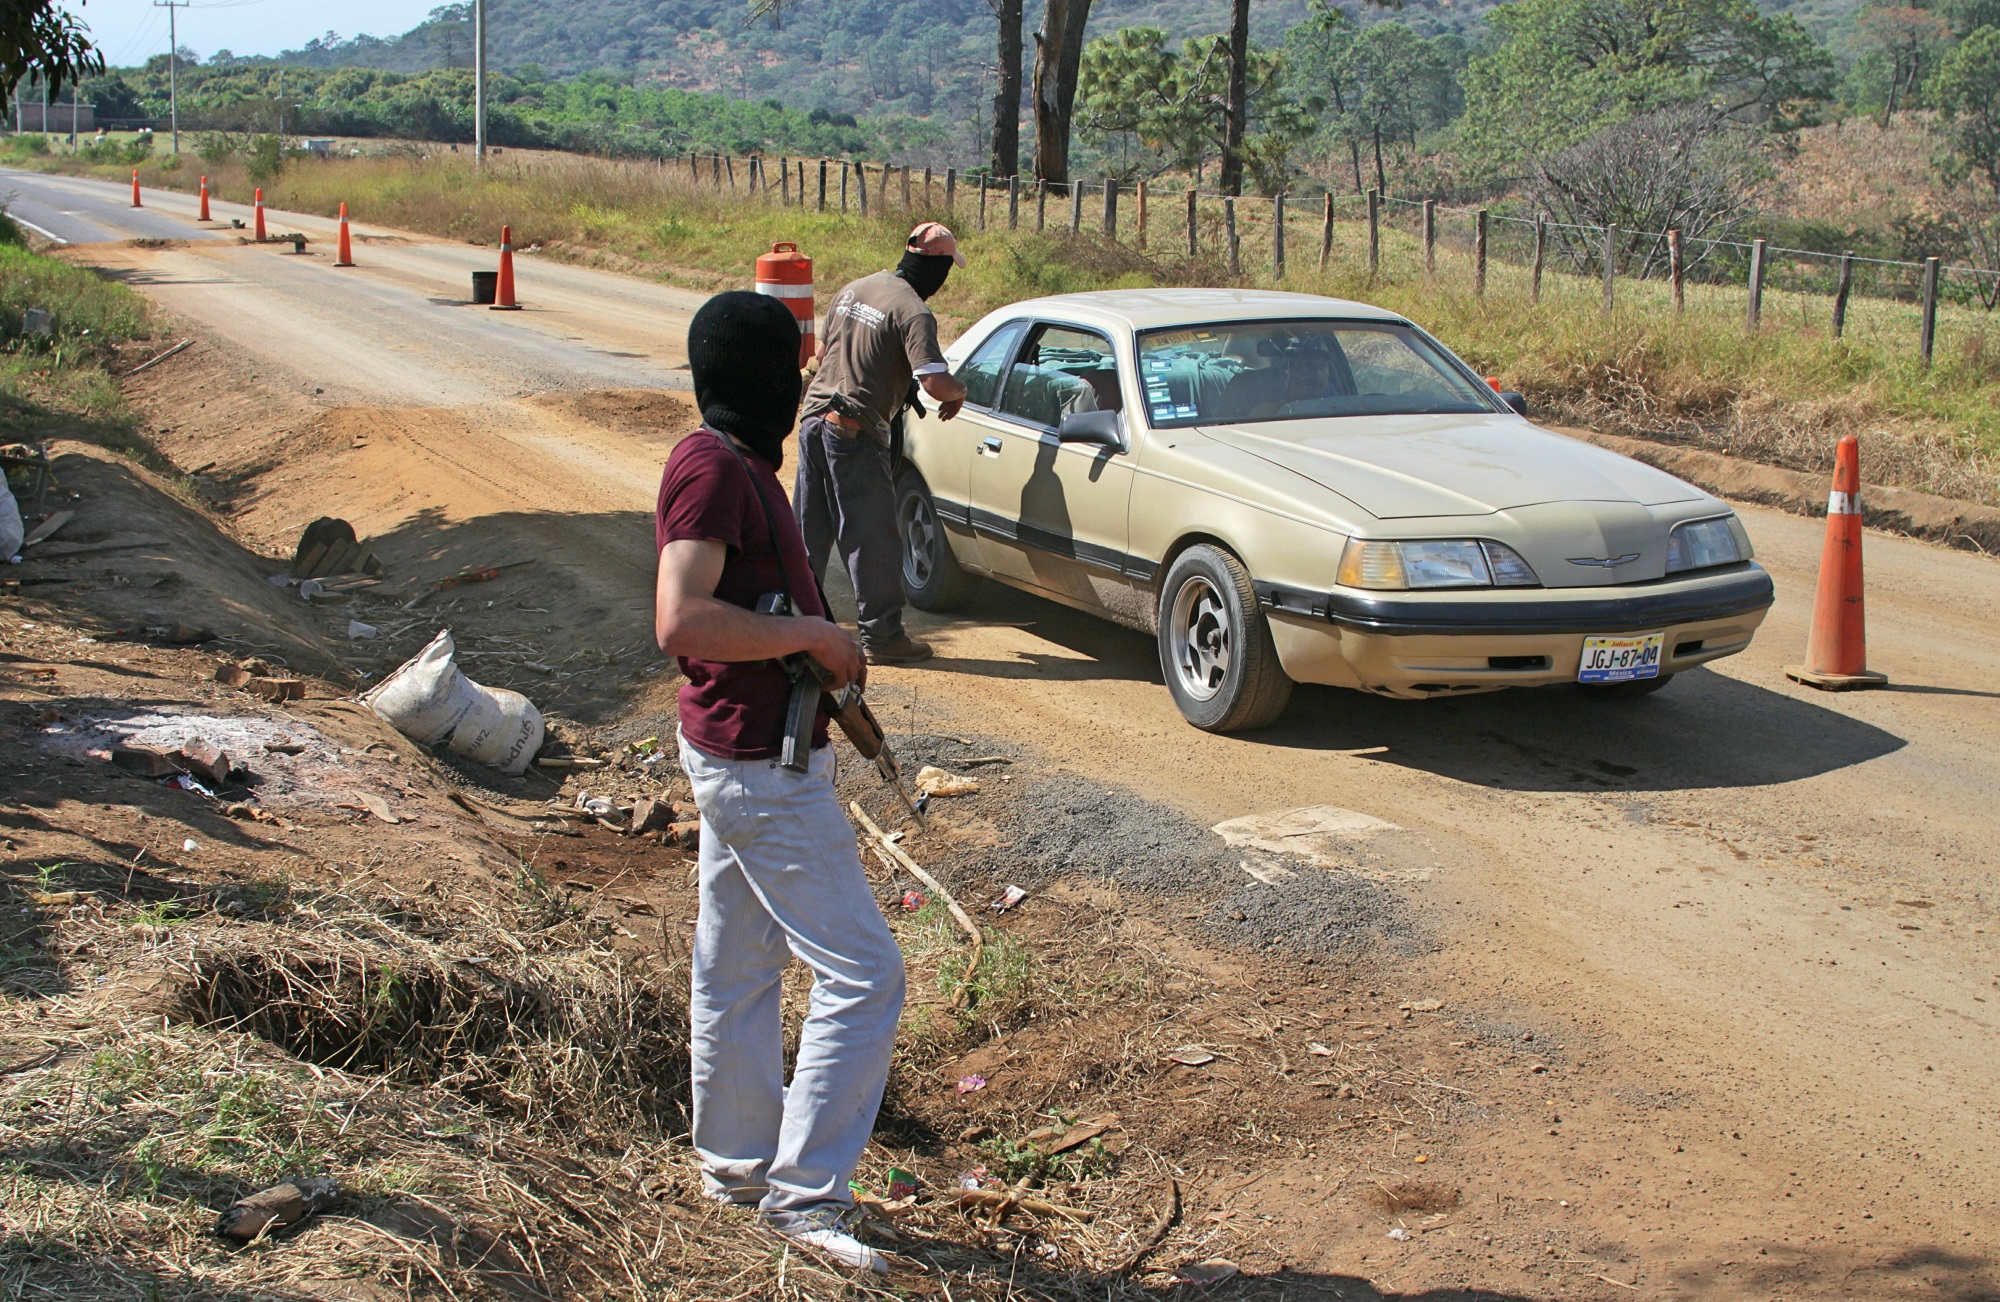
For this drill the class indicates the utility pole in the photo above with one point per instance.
(173, 61)
(479, 82)
(281, 109)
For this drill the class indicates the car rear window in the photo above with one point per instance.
(1244, 372)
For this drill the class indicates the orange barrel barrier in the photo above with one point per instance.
(503, 293)
(1837, 647)
(259, 232)
(204, 201)
(786, 273)
(346, 258)
(135, 189)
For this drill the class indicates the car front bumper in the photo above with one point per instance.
(1445, 643)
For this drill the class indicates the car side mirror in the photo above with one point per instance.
(1099, 428)
(1514, 400)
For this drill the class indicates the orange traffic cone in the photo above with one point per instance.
(204, 201)
(503, 294)
(259, 232)
(135, 189)
(346, 258)
(1837, 648)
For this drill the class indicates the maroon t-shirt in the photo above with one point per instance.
(736, 710)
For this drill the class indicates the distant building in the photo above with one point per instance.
(61, 118)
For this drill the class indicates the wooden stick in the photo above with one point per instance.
(157, 360)
(1158, 1234)
(890, 849)
(994, 1200)
(1840, 293)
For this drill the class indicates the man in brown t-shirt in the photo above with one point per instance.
(878, 336)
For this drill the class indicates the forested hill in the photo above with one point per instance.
(871, 57)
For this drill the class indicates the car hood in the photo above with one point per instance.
(1405, 467)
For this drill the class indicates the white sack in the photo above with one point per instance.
(430, 700)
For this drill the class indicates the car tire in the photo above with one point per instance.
(1215, 645)
(1627, 689)
(932, 577)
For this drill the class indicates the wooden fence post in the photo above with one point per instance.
(1677, 269)
(694, 166)
(930, 194)
(822, 184)
(1841, 290)
(1479, 253)
(1193, 233)
(950, 190)
(1110, 208)
(982, 201)
(906, 189)
(1927, 334)
(1374, 233)
(785, 182)
(1141, 215)
(1229, 234)
(1430, 237)
(1075, 207)
(1278, 236)
(1013, 203)
(1753, 315)
(1541, 256)
(845, 167)
(1610, 265)
(1041, 206)
(715, 171)
(1326, 234)
(861, 188)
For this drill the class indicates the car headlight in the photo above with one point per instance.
(1453, 563)
(1699, 544)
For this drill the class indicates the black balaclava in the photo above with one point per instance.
(743, 349)
(925, 271)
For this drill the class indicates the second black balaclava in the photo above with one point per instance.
(743, 350)
(925, 271)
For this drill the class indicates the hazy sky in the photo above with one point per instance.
(131, 31)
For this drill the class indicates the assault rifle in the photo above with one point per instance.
(812, 683)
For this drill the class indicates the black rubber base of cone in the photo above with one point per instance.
(503, 307)
(1836, 682)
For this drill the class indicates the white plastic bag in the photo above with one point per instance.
(430, 700)
(11, 529)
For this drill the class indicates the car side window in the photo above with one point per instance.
(981, 372)
(1062, 370)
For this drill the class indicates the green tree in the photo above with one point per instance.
(39, 40)
(1565, 69)
(1966, 92)
(1175, 104)
(1379, 84)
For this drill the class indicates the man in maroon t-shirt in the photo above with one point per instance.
(780, 876)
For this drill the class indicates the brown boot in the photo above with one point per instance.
(899, 650)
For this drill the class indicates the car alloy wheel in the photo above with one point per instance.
(1199, 636)
(1216, 651)
(932, 578)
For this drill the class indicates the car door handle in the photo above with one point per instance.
(990, 444)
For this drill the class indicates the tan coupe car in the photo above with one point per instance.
(1286, 488)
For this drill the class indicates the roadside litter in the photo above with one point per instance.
(478, 574)
(261, 681)
(1007, 899)
(936, 782)
(430, 700)
(329, 547)
(280, 1205)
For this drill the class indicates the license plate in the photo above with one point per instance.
(1621, 659)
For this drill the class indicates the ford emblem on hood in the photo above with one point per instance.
(1605, 562)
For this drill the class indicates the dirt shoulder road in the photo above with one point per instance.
(1742, 932)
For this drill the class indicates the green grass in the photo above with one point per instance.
(1784, 395)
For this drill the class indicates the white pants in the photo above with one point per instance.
(780, 877)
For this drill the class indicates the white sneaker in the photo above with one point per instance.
(822, 1234)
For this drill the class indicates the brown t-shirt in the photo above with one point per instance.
(877, 335)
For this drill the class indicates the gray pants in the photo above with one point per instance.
(780, 878)
(846, 494)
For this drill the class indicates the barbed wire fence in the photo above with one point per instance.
(1270, 237)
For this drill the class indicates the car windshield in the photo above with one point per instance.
(1235, 373)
